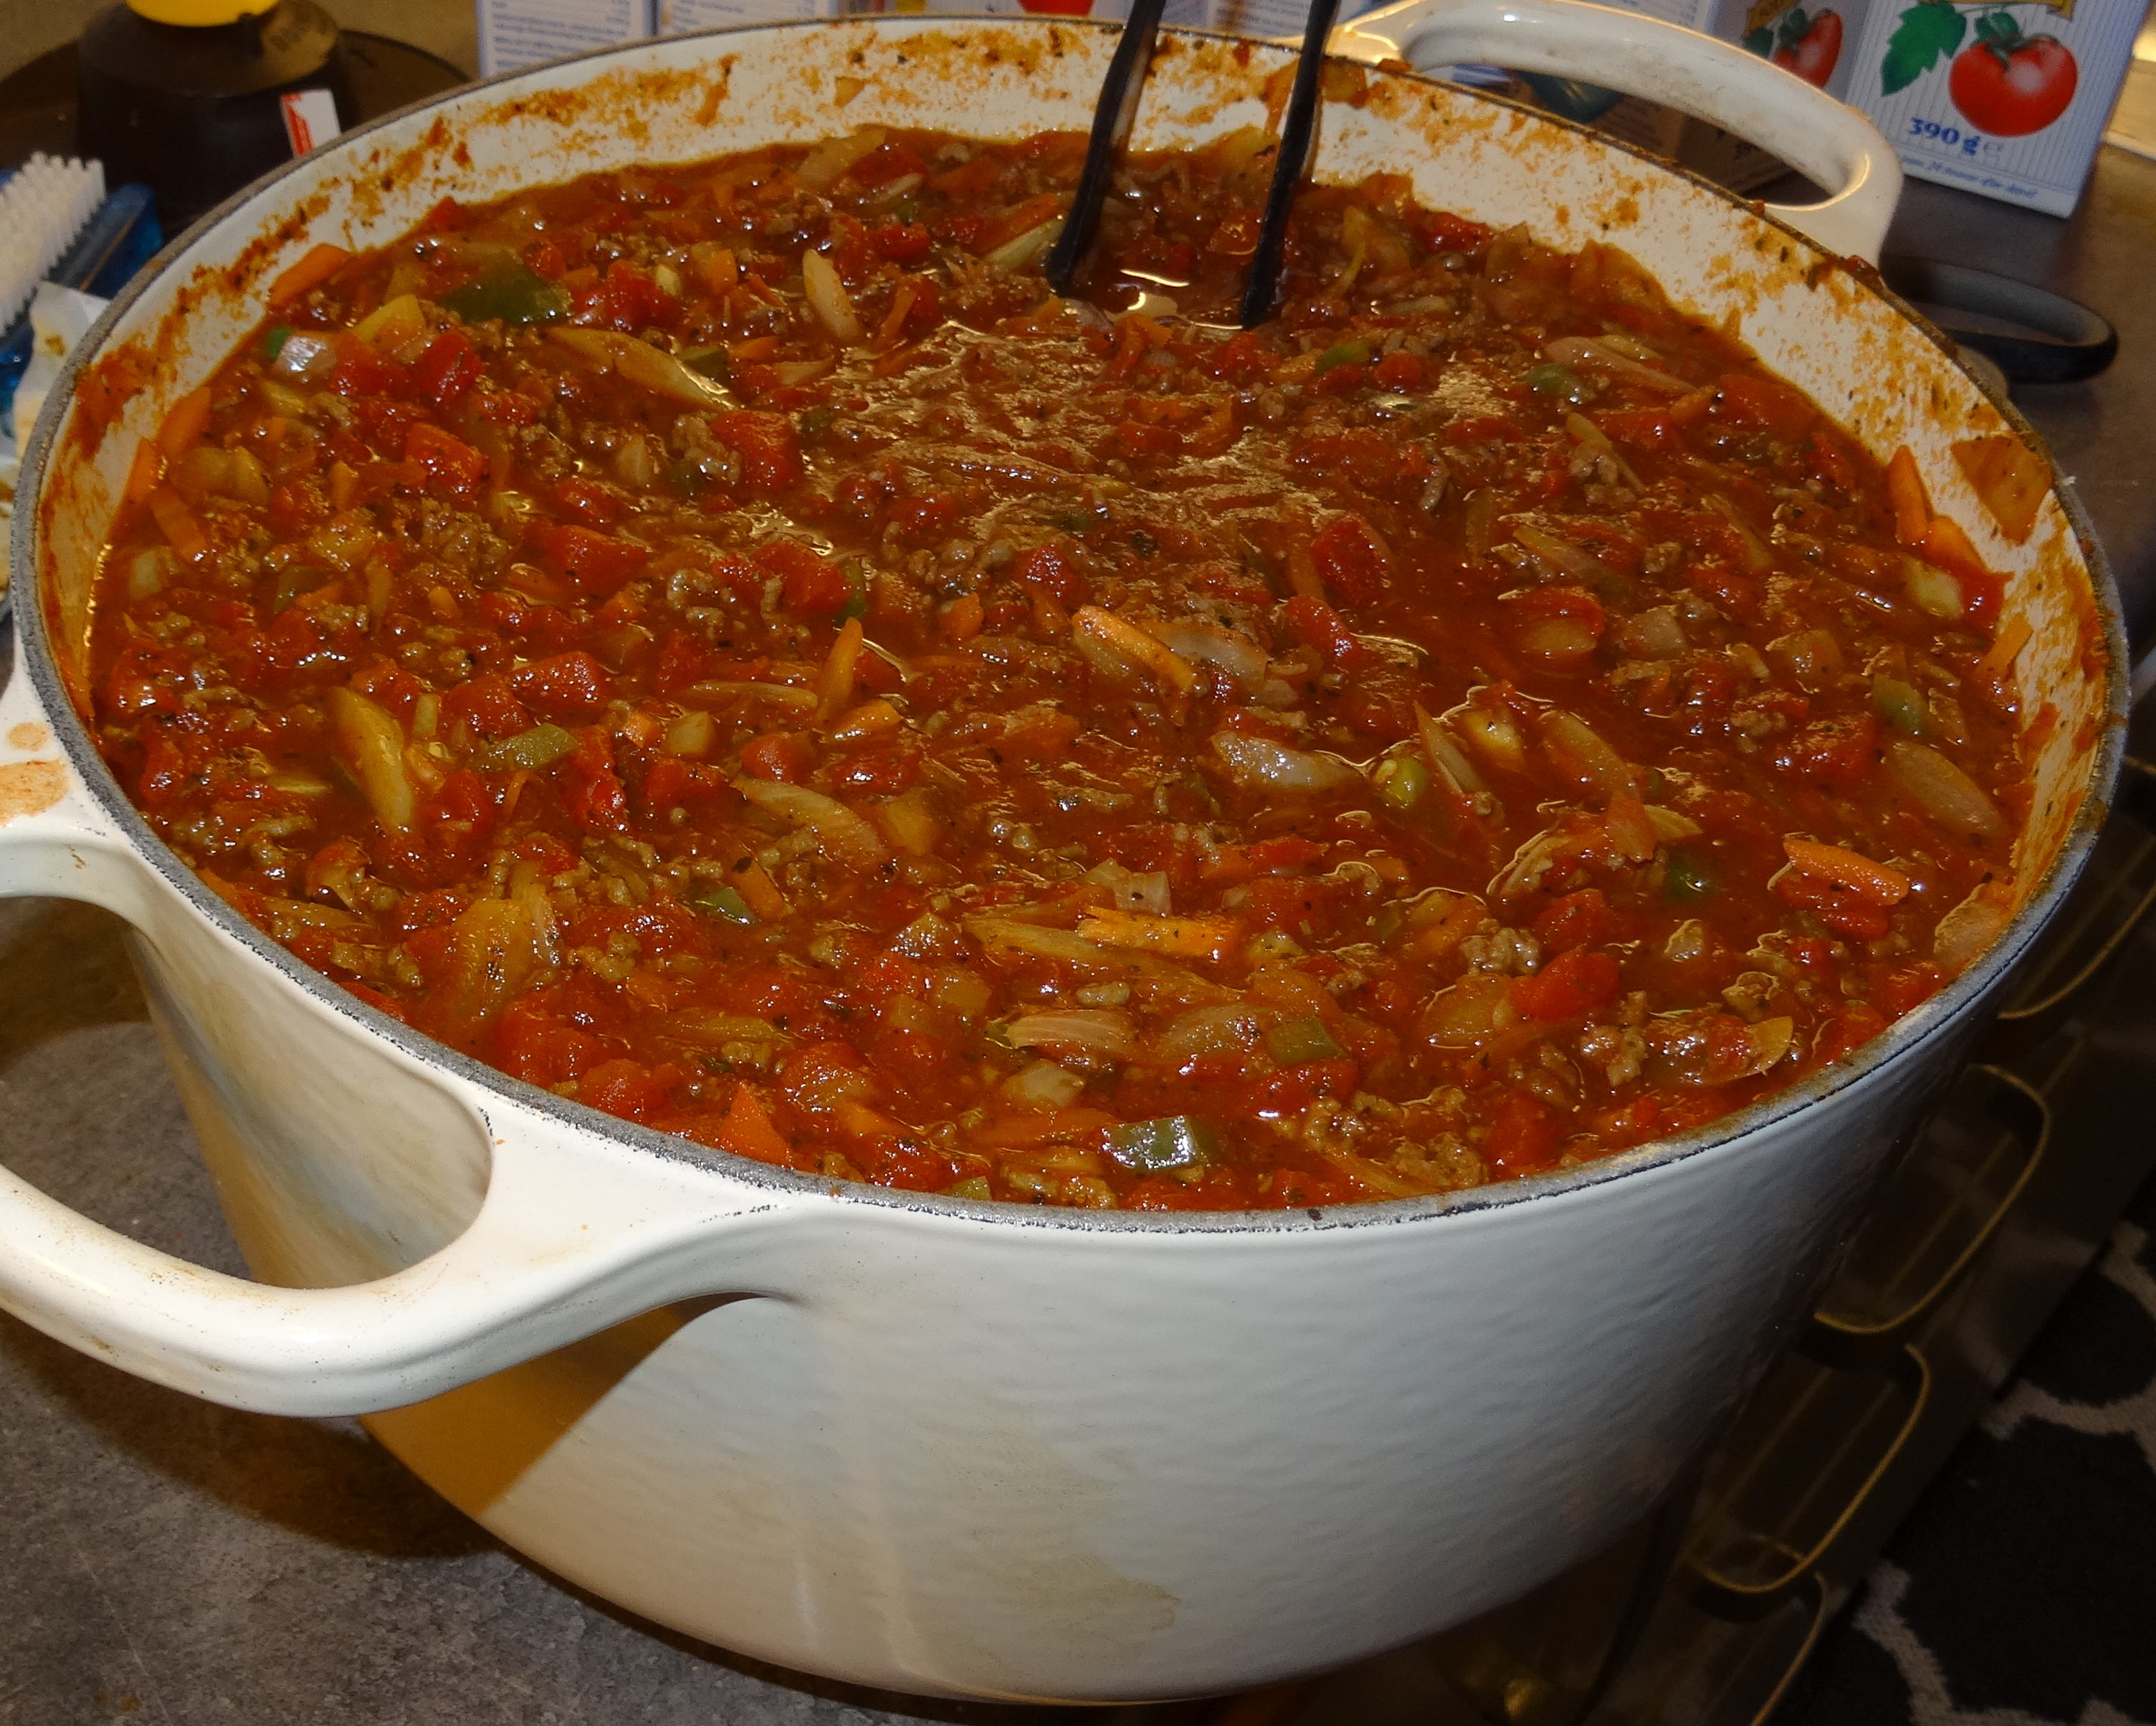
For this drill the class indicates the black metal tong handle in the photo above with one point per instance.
(1263, 287)
(1111, 126)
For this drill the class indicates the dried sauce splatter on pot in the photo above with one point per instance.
(724, 643)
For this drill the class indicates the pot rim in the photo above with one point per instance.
(1934, 1018)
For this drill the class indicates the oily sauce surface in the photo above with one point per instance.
(724, 643)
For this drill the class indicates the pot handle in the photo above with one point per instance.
(527, 1275)
(1833, 145)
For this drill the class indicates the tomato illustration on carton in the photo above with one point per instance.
(1818, 40)
(1806, 43)
(2006, 82)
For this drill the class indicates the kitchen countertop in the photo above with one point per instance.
(180, 1563)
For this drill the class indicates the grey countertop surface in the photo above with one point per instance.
(165, 1560)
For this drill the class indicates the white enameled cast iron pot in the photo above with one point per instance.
(918, 1442)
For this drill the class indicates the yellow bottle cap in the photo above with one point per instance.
(197, 12)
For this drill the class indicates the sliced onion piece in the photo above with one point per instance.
(1492, 732)
(1259, 760)
(1238, 655)
(1133, 892)
(828, 298)
(373, 744)
(1578, 751)
(840, 833)
(1116, 648)
(1088, 1030)
(1771, 1038)
(1226, 1030)
(831, 158)
(1966, 931)
(309, 358)
(642, 364)
(1945, 793)
(1561, 557)
(1578, 351)
(1043, 1084)
(1017, 253)
(1456, 1016)
(1447, 757)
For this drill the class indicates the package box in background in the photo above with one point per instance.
(514, 33)
(990, 8)
(677, 17)
(1705, 149)
(2007, 100)
(1273, 19)
(1819, 45)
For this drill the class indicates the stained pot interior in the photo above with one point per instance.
(684, 98)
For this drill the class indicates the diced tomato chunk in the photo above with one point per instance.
(1747, 398)
(901, 242)
(596, 564)
(591, 787)
(1575, 982)
(782, 756)
(1839, 750)
(454, 468)
(533, 1045)
(1846, 1030)
(1351, 558)
(1524, 1134)
(569, 685)
(1579, 919)
(813, 582)
(1317, 625)
(446, 369)
(767, 443)
(628, 1088)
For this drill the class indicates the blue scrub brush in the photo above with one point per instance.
(57, 225)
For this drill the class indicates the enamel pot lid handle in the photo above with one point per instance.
(1833, 146)
(563, 1244)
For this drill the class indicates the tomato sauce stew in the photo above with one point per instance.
(726, 644)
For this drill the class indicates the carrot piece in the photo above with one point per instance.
(2013, 636)
(1946, 545)
(321, 263)
(1687, 410)
(146, 472)
(1190, 937)
(758, 892)
(344, 485)
(747, 1131)
(183, 424)
(1845, 868)
(894, 325)
(1040, 1127)
(1905, 488)
(177, 523)
(961, 619)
